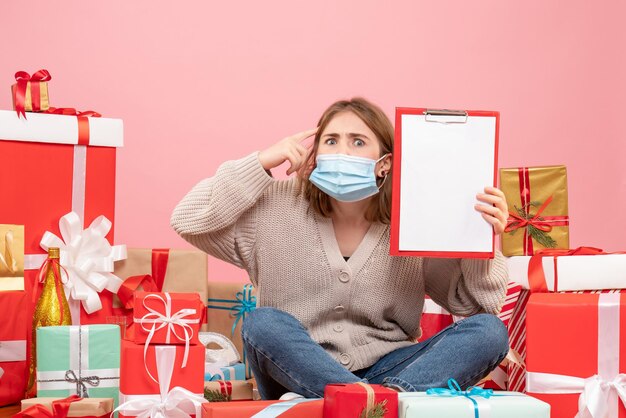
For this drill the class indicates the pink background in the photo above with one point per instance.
(203, 82)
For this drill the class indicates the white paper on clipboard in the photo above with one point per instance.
(443, 167)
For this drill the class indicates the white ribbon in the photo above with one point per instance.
(600, 392)
(87, 257)
(175, 403)
(166, 320)
(12, 350)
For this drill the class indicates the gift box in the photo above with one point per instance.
(434, 319)
(538, 214)
(11, 257)
(166, 374)
(178, 271)
(57, 164)
(167, 318)
(30, 93)
(234, 372)
(310, 408)
(228, 391)
(470, 404)
(351, 400)
(570, 272)
(81, 360)
(13, 336)
(81, 407)
(227, 307)
(139, 374)
(575, 361)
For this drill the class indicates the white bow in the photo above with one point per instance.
(594, 399)
(87, 257)
(169, 320)
(175, 403)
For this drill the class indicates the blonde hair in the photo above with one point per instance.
(379, 209)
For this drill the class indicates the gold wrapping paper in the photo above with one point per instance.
(242, 390)
(544, 182)
(187, 271)
(84, 407)
(44, 101)
(11, 257)
(220, 320)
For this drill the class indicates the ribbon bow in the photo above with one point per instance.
(175, 403)
(81, 388)
(8, 261)
(23, 78)
(594, 399)
(87, 258)
(60, 408)
(517, 222)
(245, 303)
(455, 390)
(169, 321)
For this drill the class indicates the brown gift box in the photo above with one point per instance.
(241, 390)
(11, 257)
(85, 407)
(44, 101)
(537, 197)
(179, 271)
(228, 304)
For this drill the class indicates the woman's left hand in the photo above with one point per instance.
(497, 211)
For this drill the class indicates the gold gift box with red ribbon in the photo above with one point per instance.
(30, 93)
(538, 213)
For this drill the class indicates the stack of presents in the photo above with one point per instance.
(151, 337)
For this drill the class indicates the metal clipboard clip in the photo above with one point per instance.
(433, 113)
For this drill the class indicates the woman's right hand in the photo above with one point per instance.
(290, 148)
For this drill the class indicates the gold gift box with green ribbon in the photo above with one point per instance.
(538, 213)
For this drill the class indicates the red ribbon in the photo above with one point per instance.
(544, 223)
(60, 408)
(81, 116)
(226, 388)
(56, 267)
(536, 275)
(23, 78)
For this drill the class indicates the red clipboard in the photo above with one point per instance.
(396, 248)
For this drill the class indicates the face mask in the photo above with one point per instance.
(344, 177)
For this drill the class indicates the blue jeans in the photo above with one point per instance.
(284, 358)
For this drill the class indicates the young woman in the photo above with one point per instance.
(334, 306)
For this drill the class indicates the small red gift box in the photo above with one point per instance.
(167, 318)
(245, 409)
(350, 400)
(139, 375)
(575, 360)
(13, 335)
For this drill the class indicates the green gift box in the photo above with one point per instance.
(463, 404)
(82, 360)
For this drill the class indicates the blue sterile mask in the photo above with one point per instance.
(345, 177)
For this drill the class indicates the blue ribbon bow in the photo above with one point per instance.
(455, 390)
(243, 303)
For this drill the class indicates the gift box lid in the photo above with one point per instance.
(59, 129)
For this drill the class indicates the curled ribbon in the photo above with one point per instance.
(8, 261)
(455, 390)
(87, 258)
(170, 321)
(23, 78)
(175, 403)
(81, 388)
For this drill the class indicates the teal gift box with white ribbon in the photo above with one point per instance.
(81, 360)
(234, 372)
(471, 403)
